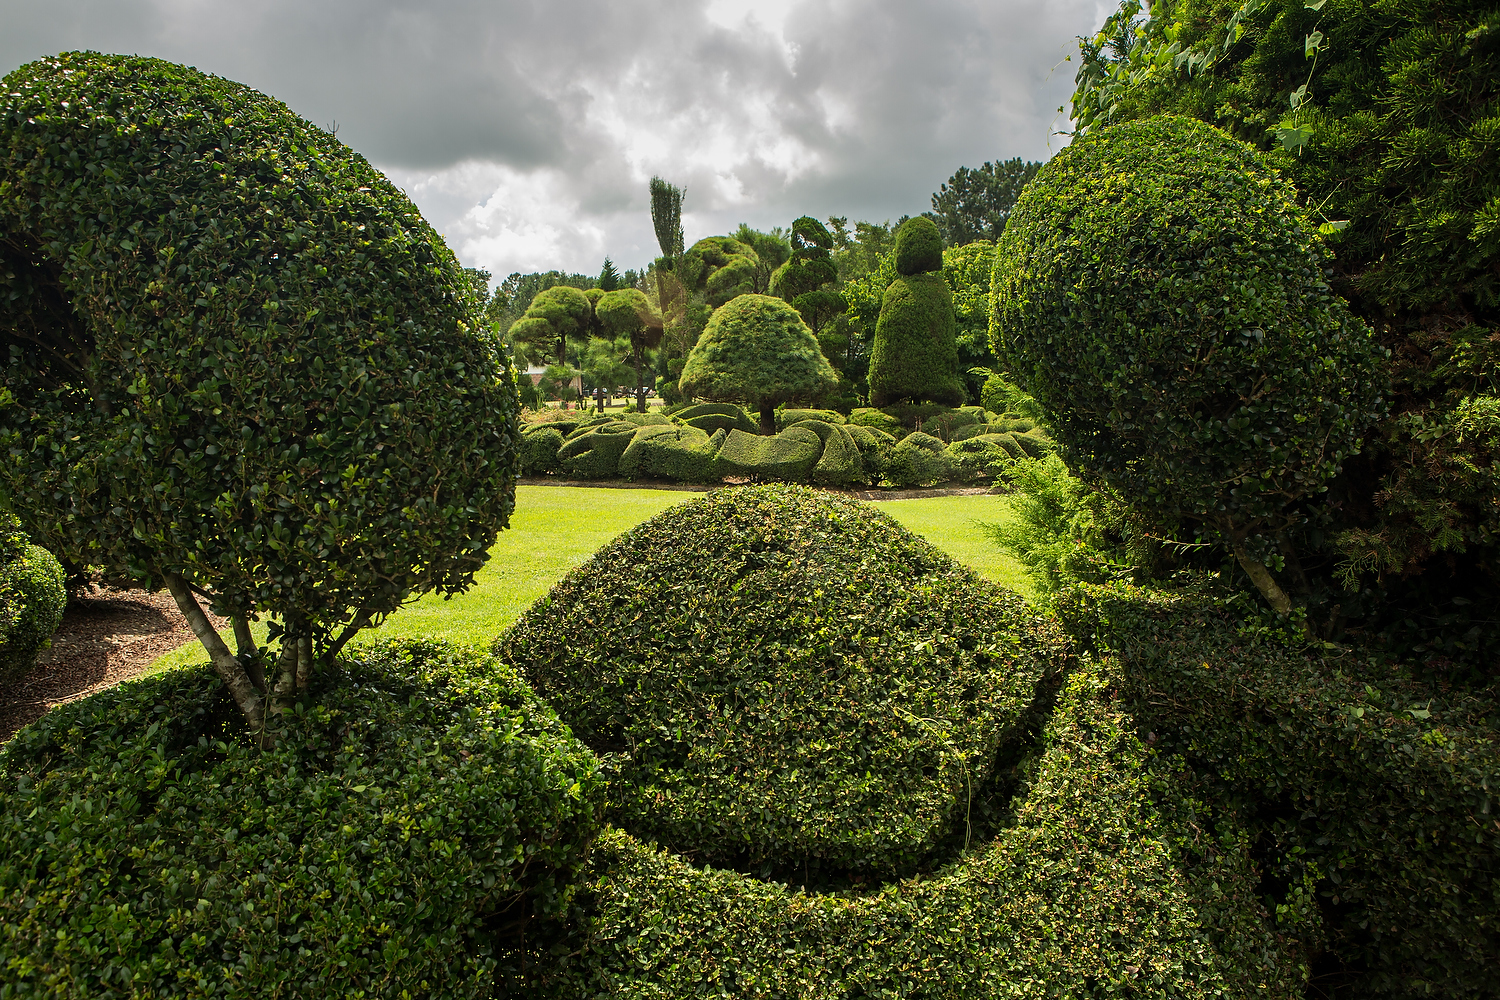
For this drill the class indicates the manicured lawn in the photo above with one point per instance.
(555, 528)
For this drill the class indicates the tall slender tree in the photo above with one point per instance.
(609, 278)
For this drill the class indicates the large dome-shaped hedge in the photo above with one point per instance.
(236, 352)
(783, 679)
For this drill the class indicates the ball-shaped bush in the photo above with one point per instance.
(757, 350)
(919, 247)
(32, 598)
(236, 354)
(782, 677)
(1162, 295)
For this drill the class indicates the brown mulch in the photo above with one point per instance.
(106, 636)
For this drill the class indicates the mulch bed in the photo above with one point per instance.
(106, 636)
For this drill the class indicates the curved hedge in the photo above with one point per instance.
(1107, 883)
(1371, 802)
(33, 596)
(419, 812)
(237, 354)
(1161, 294)
(784, 679)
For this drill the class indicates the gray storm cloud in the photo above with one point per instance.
(526, 131)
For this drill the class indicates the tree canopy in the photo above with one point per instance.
(975, 204)
(757, 350)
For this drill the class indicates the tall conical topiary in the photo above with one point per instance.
(915, 356)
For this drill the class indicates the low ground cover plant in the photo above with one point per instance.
(417, 815)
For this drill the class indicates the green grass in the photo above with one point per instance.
(555, 528)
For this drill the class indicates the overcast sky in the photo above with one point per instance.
(526, 132)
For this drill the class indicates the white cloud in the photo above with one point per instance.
(526, 130)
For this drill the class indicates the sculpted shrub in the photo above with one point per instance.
(240, 365)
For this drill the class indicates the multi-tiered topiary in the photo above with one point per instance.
(239, 364)
(1163, 297)
(915, 356)
(757, 350)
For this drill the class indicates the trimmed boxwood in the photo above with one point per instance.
(237, 358)
(787, 417)
(1369, 800)
(915, 354)
(1107, 883)
(418, 813)
(1162, 295)
(685, 454)
(593, 451)
(919, 459)
(788, 456)
(33, 595)
(539, 446)
(784, 679)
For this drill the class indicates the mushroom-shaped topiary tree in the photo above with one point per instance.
(627, 312)
(556, 314)
(1161, 294)
(915, 355)
(757, 350)
(238, 364)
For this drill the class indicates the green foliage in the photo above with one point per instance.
(915, 356)
(757, 350)
(1001, 395)
(726, 268)
(609, 278)
(554, 315)
(219, 226)
(780, 677)
(593, 450)
(967, 269)
(919, 247)
(685, 454)
(919, 459)
(975, 204)
(841, 463)
(801, 279)
(788, 456)
(1161, 295)
(1106, 883)
(539, 447)
(710, 417)
(1384, 115)
(426, 799)
(868, 416)
(1369, 798)
(787, 417)
(32, 598)
(666, 217)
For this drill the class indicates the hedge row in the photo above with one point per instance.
(784, 679)
(711, 441)
(1106, 884)
(422, 807)
(1369, 800)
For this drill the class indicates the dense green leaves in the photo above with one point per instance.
(32, 598)
(1162, 296)
(757, 350)
(974, 205)
(780, 677)
(235, 350)
(426, 802)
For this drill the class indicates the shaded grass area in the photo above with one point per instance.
(555, 528)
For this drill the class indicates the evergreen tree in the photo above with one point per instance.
(609, 278)
(975, 204)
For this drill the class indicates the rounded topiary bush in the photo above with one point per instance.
(239, 362)
(1161, 294)
(414, 819)
(782, 678)
(33, 595)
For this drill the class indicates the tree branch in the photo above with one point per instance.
(226, 664)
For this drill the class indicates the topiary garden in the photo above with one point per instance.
(767, 743)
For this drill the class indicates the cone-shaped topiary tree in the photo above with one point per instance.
(757, 350)
(915, 356)
(1161, 294)
(627, 312)
(238, 364)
